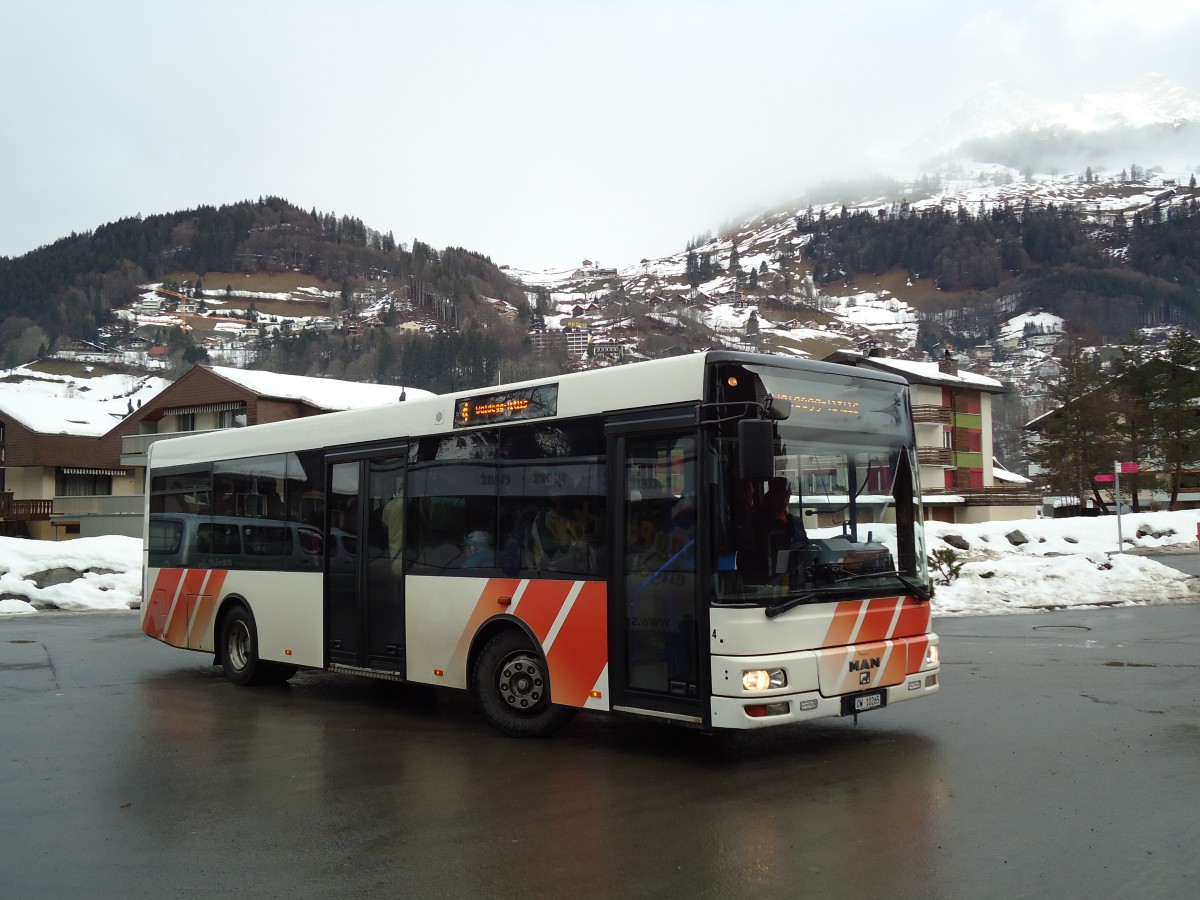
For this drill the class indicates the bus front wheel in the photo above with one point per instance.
(512, 687)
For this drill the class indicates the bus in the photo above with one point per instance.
(722, 540)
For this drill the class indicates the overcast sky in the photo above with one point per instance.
(537, 133)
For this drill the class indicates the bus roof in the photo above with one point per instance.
(655, 383)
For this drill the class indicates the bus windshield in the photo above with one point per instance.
(840, 517)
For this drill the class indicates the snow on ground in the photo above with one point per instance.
(1066, 563)
(1041, 321)
(100, 573)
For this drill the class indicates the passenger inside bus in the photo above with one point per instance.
(478, 552)
(562, 537)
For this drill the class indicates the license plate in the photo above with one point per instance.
(863, 702)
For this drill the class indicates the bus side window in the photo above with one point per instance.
(553, 509)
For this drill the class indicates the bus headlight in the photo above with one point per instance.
(763, 680)
(932, 657)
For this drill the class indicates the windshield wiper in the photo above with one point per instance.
(915, 588)
(790, 603)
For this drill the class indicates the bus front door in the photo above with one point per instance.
(364, 588)
(656, 624)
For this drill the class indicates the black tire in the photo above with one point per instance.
(512, 687)
(239, 649)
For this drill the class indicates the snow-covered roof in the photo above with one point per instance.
(323, 393)
(1001, 474)
(85, 407)
(925, 372)
(929, 371)
(59, 415)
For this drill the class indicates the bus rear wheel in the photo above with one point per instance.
(239, 649)
(512, 687)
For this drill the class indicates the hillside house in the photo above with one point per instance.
(952, 409)
(50, 447)
(606, 348)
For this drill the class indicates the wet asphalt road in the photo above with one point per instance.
(1061, 758)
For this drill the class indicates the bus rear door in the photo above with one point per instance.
(364, 579)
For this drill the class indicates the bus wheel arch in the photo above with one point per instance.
(510, 682)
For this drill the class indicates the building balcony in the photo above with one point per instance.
(927, 414)
(98, 505)
(993, 496)
(134, 447)
(936, 456)
(24, 510)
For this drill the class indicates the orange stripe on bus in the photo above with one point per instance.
(158, 605)
(540, 605)
(845, 617)
(580, 650)
(916, 652)
(914, 619)
(177, 628)
(878, 620)
(202, 621)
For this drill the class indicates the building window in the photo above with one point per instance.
(83, 485)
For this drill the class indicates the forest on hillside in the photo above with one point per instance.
(1105, 279)
(69, 288)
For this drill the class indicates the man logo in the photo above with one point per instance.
(864, 677)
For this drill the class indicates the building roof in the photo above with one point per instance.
(60, 415)
(919, 372)
(323, 393)
(999, 473)
(80, 406)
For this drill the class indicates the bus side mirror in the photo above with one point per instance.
(776, 407)
(756, 449)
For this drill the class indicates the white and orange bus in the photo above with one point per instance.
(724, 540)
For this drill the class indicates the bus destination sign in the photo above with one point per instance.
(506, 406)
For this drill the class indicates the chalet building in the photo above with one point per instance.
(952, 410)
(70, 471)
(50, 447)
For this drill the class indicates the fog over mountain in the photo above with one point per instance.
(1152, 122)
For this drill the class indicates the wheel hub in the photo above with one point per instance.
(521, 682)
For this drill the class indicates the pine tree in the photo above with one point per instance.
(1173, 388)
(1080, 439)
